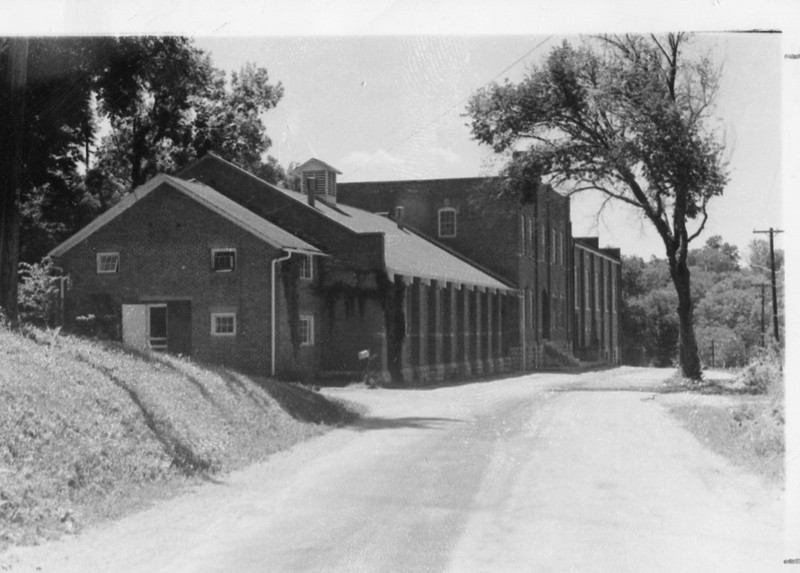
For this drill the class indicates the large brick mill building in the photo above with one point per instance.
(435, 283)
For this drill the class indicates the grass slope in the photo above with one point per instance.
(741, 418)
(89, 431)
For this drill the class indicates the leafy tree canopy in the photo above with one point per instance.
(624, 116)
(156, 103)
(168, 105)
(758, 257)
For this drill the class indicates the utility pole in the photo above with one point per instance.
(772, 232)
(763, 341)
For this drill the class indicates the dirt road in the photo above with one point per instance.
(548, 472)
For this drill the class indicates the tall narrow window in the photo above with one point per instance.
(306, 330)
(542, 241)
(531, 237)
(107, 263)
(223, 260)
(306, 267)
(447, 222)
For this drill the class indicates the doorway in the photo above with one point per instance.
(157, 334)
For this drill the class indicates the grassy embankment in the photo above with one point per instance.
(89, 431)
(741, 418)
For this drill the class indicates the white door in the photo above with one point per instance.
(134, 325)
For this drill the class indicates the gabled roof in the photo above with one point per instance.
(315, 164)
(406, 253)
(209, 198)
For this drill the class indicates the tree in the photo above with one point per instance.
(626, 117)
(168, 105)
(45, 139)
(165, 104)
(715, 256)
(758, 255)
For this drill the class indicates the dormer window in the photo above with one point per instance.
(447, 222)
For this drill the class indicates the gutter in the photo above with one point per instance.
(524, 325)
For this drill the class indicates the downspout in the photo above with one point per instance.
(272, 313)
(523, 325)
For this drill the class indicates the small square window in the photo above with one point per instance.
(107, 263)
(306, 267)
(306, 330)
(223, 260)
(223, 324)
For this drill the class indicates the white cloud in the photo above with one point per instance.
(445, 154)
(379, 159)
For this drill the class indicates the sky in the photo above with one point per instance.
(378, 88)
(393, 107)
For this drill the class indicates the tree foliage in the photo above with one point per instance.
(727, 317)
(168, 105)
(758, 256)
(624, 116)
(154, 103)
(715, 256)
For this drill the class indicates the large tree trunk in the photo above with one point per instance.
(688, 353)
(10, 172)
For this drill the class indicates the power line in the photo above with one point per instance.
(458, 103)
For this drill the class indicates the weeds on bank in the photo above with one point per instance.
(750, 432)
(90, 431)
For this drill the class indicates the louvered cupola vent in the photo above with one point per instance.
(318, 181)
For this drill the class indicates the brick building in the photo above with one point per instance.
(428, 276)
(529, 246)
(220, 265)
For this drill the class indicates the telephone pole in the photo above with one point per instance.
(772, 232)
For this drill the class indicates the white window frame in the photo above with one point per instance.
(309, 339)
(101, 269)
(214, 324)
(307, 267)
(215, 252)
(442, 211)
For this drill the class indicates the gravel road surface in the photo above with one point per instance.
(546, 472)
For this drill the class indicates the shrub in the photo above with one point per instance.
(39, 293)
(764, 373)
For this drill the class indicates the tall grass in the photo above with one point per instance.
(89, 430)
(763, 423)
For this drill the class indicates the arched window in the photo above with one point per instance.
(447, 222)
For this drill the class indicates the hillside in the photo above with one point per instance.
(90, 431)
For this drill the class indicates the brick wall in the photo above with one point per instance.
(501, 236)
(165, 243)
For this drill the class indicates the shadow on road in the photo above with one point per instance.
(417, 423)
